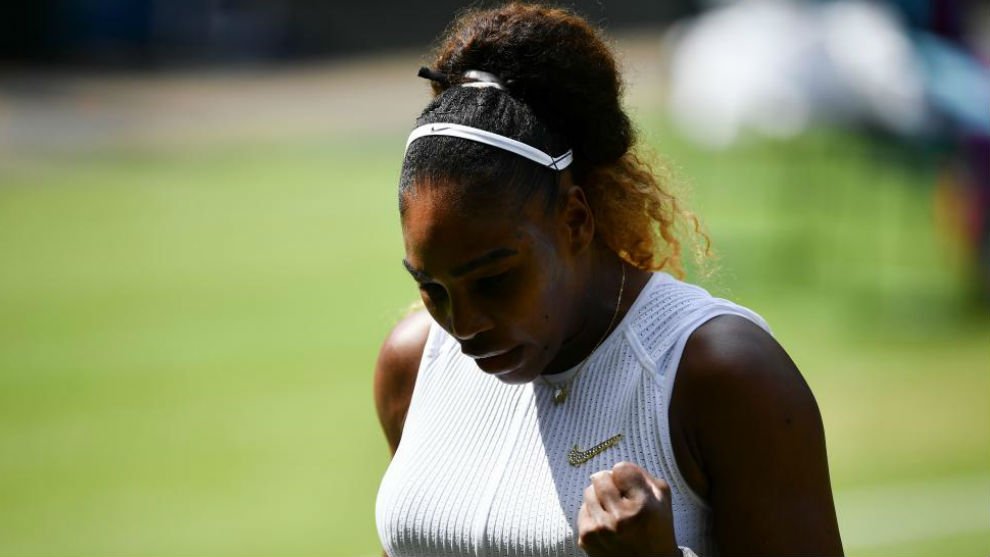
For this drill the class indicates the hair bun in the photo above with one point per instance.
(553, 61)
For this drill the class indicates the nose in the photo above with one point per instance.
(466, 320)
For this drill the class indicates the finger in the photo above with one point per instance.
(631, 480)
(608, 495)
(588, 529)
(661, 489)
(585, 521)
(599, 516)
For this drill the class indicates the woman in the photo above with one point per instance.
(561, 392)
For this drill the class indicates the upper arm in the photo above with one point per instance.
(395, 373)
(760, 442)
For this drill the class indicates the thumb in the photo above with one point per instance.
(661, 489)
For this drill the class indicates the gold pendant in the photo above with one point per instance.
(577, 457)
(560, 395)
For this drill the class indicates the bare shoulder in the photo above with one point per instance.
(731, 361)
(758, 440)
(396, 370)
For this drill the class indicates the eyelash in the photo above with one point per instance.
(492, 283)
(489, 285)
(434, 292)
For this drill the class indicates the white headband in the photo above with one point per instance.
(495, 140)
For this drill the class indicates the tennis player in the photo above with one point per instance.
(564, 392)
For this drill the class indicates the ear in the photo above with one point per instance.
(577, 222)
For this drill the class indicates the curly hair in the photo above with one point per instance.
(562, 89)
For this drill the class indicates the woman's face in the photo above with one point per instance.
(499, 280)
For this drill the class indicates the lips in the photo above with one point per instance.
(498, 362)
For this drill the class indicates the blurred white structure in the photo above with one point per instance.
(775, 67)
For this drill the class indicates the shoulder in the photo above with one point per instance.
(396, 370)
(757, 437)
(730, 360)
(734, 383)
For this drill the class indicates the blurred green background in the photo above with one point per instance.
(191, 303)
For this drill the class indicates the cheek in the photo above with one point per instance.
(551, 307)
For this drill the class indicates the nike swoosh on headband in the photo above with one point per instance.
(495, 140)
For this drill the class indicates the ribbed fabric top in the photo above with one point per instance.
(482, 468)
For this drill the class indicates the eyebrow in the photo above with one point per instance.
(420, 276)
(477, 262)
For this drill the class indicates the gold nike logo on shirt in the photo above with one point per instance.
(577, 457)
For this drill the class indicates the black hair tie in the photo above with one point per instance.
(434, 75)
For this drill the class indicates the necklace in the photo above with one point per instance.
(561, 391)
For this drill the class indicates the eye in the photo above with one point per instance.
(432, 292)
(493, 284)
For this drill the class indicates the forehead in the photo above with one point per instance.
(441, 229)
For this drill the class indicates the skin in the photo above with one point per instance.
(746, 430)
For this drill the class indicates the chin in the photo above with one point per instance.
(527, 372)
(517, 377)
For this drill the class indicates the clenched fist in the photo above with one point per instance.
(626, 511)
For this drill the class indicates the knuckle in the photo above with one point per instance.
(631, 519)
(625, 466)
(601, 526)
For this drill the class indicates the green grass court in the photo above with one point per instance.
(187, 337)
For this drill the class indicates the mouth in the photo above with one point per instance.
(499, 362)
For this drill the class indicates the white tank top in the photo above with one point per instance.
(482, 468)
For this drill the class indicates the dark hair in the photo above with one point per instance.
(483, 170)
(562, 90)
